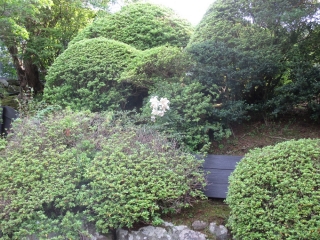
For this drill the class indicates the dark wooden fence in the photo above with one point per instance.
(7, 115)
(219, 167)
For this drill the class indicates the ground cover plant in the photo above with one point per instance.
(274, 192)
(66, 168)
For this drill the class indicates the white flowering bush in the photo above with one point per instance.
(158, 107)
(189, 115)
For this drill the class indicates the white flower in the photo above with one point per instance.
(154, 102)
(158, 107)
(161, 114)
(164, 103)
(155, 112)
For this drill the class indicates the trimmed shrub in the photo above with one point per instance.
(67, 168)
(87, 75)
(158, 64)
(141, 25)
(274, 192)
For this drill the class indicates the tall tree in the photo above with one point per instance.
(249, 44)
(35, 32)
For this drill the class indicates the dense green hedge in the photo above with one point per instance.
(87, 75)
(67, 168)
(141, 25)
(274, 192)
(156, 65)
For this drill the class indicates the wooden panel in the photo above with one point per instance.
(8, 115)
(218, 175)
(219, 167)
(216, 190)
(221, 161)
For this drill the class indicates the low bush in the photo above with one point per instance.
(274, 192)
(65, 168)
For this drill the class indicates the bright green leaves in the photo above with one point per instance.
(274, 192)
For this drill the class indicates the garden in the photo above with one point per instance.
(113, 108)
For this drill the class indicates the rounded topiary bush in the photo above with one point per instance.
(141, 25)
(274, 192)
(156, 65)
(87, 75)
(66, 168)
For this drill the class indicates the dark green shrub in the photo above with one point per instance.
(66, 168)
(87, 75)
(189, 116)
(274, 192)
(141, 25)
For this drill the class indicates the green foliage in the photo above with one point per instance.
(274, 192)
(6, 66)
(141, 25)
(136, 174)
(13, 15)
(35, 32)
(302, 91)
(3, 143)
(87, 75)
(247, 48)
(189, 114)
(66, 168)
(158, 64)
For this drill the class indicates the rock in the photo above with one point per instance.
(13, 82)
(167, 232)
(221, 232)
(4, 82)
(188, 234)
(144, 233)
(199, 225)
(93, 234)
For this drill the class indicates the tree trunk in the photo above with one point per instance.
(28, 73)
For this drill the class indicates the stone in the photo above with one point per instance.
(188, 234)
(167, 232)
(144, 233)
(4, 82)
(199, 225)
(221, 232)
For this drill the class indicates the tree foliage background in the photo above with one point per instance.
(36, 32)
(251, 49)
